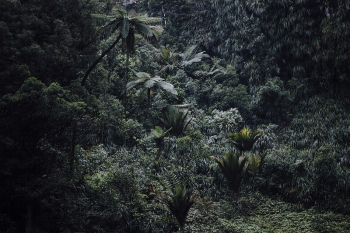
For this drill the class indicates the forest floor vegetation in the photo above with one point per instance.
(257, 213)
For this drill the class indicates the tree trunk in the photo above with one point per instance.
(182, 230)
(98, 60)
(73, 144)
(126, 78)
(29, 223)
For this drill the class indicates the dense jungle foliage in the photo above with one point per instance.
(174, 116)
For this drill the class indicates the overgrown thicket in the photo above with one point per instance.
(115, 121)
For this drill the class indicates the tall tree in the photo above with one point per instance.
(148, 82)
(184, 60)
(49, 40)
(124, 27)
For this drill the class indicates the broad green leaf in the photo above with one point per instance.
(125, 28)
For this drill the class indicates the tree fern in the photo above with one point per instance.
(191, 56)
(125, 27)
(149, 82)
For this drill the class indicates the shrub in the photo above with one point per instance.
(244, 139)
(233, 166)
(175, 119)
(179, 201)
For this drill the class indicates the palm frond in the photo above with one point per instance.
(149, 83)
(125, 27)
(174, 56)
(157, 30)
(165, 53)
(135, 83)
(99, 16)
(216, 72)
(254, 163)
(169, 58)
(158, 132)
(191, 56)
(109, 29)
(142, 75)
(176, 119)
(167, 86)
(179, 201)
(262, 160)
(146, 20)
(244, 139)
(116, 13)
(188, 54)
(143, 29)
(233, 167)
(195, 59)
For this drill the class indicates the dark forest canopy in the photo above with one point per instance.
(160, 116)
